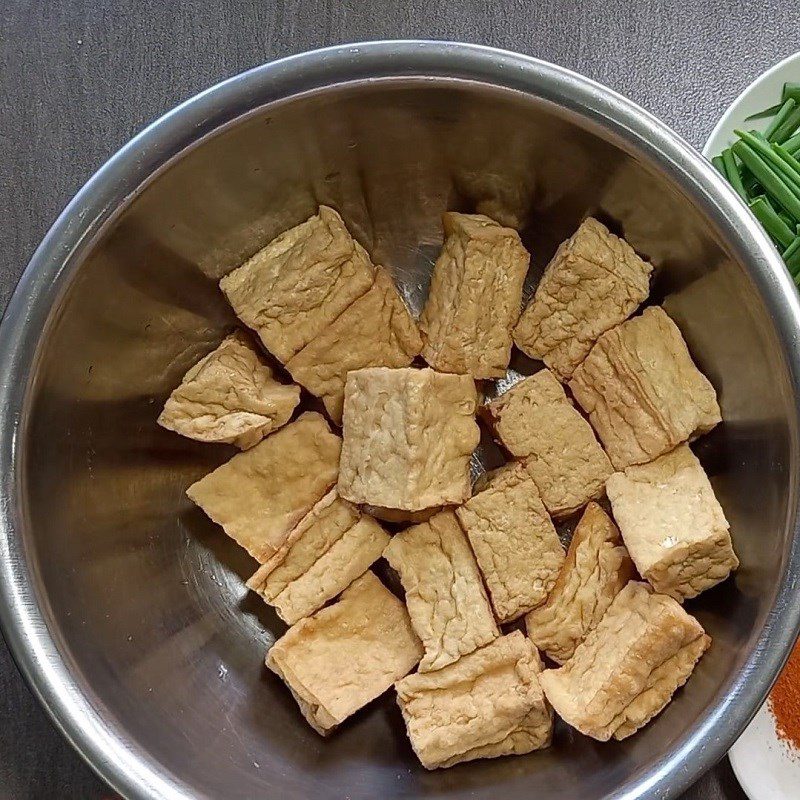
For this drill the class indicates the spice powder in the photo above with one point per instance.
(784, 701)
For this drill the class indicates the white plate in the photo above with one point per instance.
(766, 767)
(762, 93)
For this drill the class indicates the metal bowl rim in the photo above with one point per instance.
(23, 622)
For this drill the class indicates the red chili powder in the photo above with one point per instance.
(784, 701)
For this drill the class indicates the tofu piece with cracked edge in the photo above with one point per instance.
(261, 494)
(487, 704)
(596, 570)
(230, 396)
(292, 289)
(446, 601)
(347, 654)
(515, 544)
(627, 669)
(376, 330)
(475, 297)
(536, 421)
(408, 435)
(331, 546)
(642, 391)
(594, 282)
(673, 524)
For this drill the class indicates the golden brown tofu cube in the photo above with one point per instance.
(514, 541)
(672, 524)
(347, 654)
(535, 420)
(332, 546)
(408, 438)
(642, 391)
(594, 282)
(297, 285)
(475, 297)
(230, 396)
(377, 330)
(445, 596)
(261, 494)
(628, 667)
(487, 704)
(597, 568)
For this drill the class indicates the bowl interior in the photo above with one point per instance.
(145, 598)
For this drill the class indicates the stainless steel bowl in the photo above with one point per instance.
(125, 607)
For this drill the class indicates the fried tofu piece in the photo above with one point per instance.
(445, 596)
(642, 391)
(535, 420)
(597, 568)
(475, 297)
(487, 704)
(229, 396)
(672, 524)
(408, 438)
(628, 667)
(332, 546)
(594, 282)
(377, 330)
(297, 285)
(261, 494)
(514, 541)
(347, 654)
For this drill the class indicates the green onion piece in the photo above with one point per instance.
(772, 181)
(776, 161)
(787, 127)
(793, 264)
(720, 165)
(792, 249)
(788, 159)
(732, 173)
(771, 222)
(785, 217)
(790, 89)
(767, 112)
(793, 144)
(780, 117)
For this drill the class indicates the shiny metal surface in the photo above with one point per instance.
(126, 608)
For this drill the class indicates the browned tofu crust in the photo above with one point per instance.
(597, 568)
(487, 704)
(514, 541)
(475, 297)
(672, 524)
(594, 282)
(408, 438)
(261, 494)
(628, 667)
(333, 544)
(347, 654)
(536, 421)
(377, 330)
(445, 596)
(642, 391)
(297, 285)
(230, 396)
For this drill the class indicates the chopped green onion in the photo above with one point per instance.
(772, 223)
(785, 217)
(790, 90)
(780, 117)
(772, 181)
(720, 165)
(792, 249)
(776, 161)
(787, 127)
(793, 144)
(767, 112)
(788, 159)
(732, 173)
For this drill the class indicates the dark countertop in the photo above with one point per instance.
(79, 78)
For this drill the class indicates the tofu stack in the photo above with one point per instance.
(488, 587)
